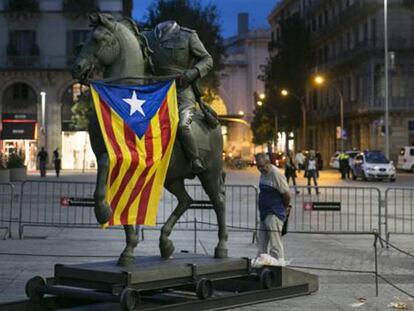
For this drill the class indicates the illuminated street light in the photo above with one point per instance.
(241, 112)
(262, 96)
(319, 80)
(284, 92)
(259, 103)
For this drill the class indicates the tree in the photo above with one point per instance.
(203, 19)
(82, 109)
(287, 69)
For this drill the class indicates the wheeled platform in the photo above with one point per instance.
(173, 284)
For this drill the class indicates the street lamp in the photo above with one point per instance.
(320, 81)
(386, 117)
(43, 108)
(286, 93)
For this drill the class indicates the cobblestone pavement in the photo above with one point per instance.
(43, 247)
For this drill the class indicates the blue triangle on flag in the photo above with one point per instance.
(136, 105)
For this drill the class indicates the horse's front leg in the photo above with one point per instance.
(102, 209)
(127, 256)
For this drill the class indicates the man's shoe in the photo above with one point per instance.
(197, 166)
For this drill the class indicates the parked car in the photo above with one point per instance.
(334, 162)
(406, 159)
(373, 165)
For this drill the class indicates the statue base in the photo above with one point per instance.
(173, 283)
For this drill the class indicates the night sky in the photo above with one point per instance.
(258, 11)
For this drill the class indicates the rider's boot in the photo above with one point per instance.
(190, 149)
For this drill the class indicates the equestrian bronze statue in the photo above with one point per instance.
(129, 56)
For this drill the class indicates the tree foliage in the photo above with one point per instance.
(81, 111)
(287, 69)
(203, 19)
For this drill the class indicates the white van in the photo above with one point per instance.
(406, 159)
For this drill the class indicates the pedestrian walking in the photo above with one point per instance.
(290, 169)
(56, 161)
(311, 171)
(274, 207)
(42, 157)
(300, 160)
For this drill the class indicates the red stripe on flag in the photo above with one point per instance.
(165, 126)
(106, 116)
(143, 206)
(129, 137)
(149, 161)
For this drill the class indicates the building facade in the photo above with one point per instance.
(347, 39)
(37, 43)
(246, 52)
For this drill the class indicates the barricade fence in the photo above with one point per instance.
(335, 209)
(71, 204)
(6, 208)
(399, 212)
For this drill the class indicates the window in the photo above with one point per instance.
(74, 38)
(22, 42)
(411, 151)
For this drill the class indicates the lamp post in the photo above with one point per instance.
(43, 108)
(386, 61)
(320, 80)
(286, 93)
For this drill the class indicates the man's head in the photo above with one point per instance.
(263, 163)
(43, 149)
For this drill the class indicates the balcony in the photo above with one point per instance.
(80, 6)
(15, 6)
(11, 63)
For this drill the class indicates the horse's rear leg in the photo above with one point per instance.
(214, 188)
(177, 188)
(127, 256)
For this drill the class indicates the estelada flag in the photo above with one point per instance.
(139, 125)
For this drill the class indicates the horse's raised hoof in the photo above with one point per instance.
(102, 212)
(126, 260)
(220, 252)
(166, 248)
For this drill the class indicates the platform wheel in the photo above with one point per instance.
(267, 278)
(204, 288)
(130, 299)
(33, 288)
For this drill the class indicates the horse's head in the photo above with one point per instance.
(101, 50)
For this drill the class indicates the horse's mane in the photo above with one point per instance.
(143, 42)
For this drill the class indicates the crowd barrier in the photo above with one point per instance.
(6, 208)
(399, 210)
(70, 204)
(333, 210)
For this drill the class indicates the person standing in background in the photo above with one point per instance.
(290, 169)
(300, 159)
(56, 161)
(43, 157)
(311, 171)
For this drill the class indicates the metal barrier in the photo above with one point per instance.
(47, 204)
(6, 208)
(335, 210)
(399, 212)
(241, 209)
(70, 204)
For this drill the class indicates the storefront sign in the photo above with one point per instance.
(18, 126)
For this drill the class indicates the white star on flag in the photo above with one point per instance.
(135, 104)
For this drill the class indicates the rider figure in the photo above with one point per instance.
(178, 51)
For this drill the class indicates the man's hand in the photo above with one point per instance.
(288, 208)
(188, 77)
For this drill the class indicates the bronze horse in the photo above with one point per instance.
(120, 49)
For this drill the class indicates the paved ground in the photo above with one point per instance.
(43, 247)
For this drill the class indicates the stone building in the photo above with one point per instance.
(37, 42)
(348, 49)
(245, 53)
